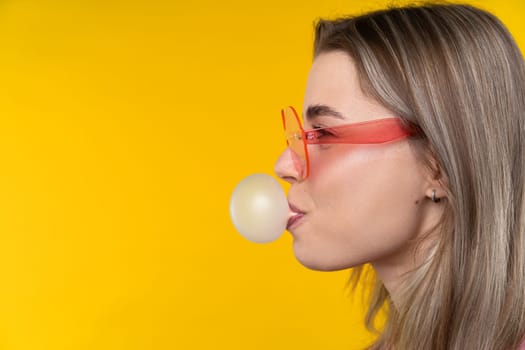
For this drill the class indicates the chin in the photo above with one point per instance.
(320, 263)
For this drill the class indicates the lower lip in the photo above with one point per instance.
(294, 221)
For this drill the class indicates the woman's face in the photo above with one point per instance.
(361, 203)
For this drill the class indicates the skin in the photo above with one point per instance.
(361, 203)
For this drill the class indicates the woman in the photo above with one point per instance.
(412, 160)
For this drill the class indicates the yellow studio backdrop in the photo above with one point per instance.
(125, 126)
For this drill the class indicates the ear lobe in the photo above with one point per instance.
(435, 193)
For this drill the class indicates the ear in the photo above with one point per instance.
(435, 181)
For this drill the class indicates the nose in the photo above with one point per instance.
(287, 167)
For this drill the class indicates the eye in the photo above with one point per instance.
(324, 136)
(321, 131)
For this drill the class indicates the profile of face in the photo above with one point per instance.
(360, 203)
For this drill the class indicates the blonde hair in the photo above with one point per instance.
(455, 72)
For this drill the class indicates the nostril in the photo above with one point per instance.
(289, 179)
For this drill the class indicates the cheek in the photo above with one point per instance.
(358, 167)
(338, 183)
(335, 160)
(342, 168)
(366, 189)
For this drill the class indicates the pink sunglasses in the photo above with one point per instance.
(369, 132)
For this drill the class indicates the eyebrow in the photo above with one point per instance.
(318, 110)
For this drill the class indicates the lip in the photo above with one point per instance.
(295, 216)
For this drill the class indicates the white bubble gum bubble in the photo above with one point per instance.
(259, 209)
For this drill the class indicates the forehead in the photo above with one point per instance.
(333, 81)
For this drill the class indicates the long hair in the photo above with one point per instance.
(455, 72)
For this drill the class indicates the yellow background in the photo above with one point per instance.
(125, 125)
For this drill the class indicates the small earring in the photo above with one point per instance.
(434, 199)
